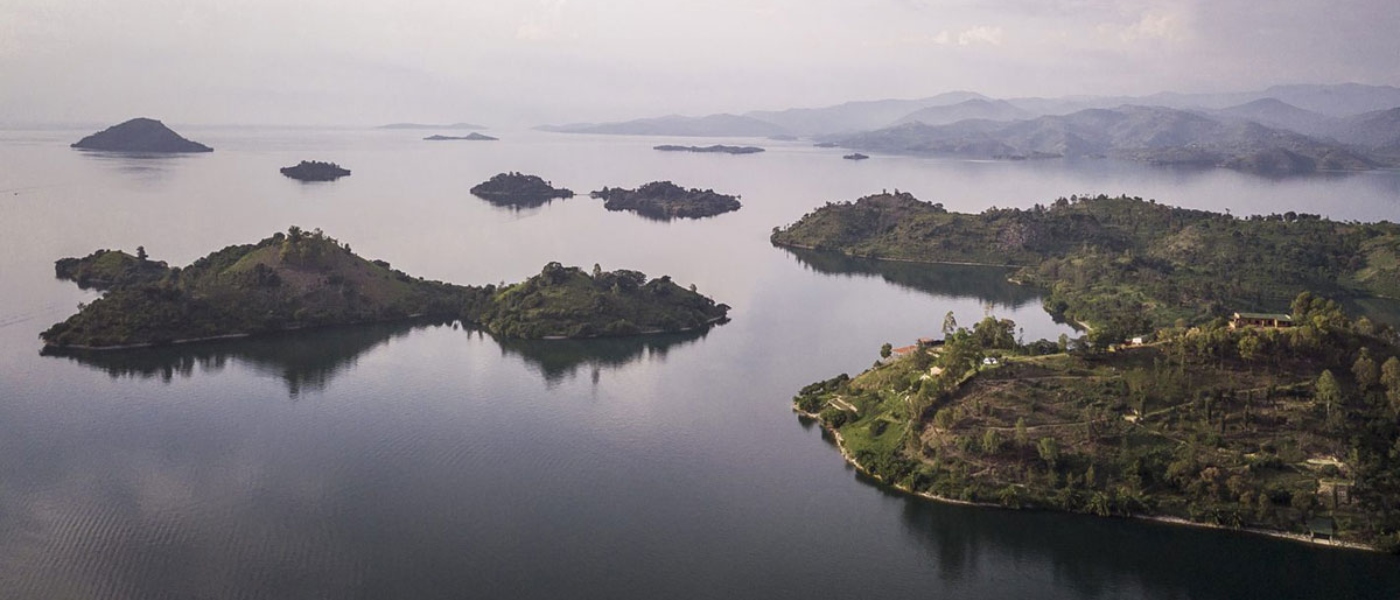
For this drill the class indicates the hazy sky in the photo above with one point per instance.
(525, 62)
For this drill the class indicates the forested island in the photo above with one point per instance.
(140, 135)
(304, 279)
(519, 190)
(566, 302)
(720, 148)
(664, 200)
(314, 170)
(1177, 403)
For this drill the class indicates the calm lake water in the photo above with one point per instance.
(424, 460)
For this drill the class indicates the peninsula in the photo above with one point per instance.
(664, 200)
(717, 148)
(1123, 265)
(300, 279)
(519, 190)
(1178, 403)
(470, 137)
(140, 135)
(312, 170)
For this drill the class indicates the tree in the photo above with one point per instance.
(140, 253)
(886, 350)
(991, 442)
(1365, 371)
(1023, 434)
(1327, 391)
(1249, 347)
(1049, 451)
(1390, 378)
(950, 324)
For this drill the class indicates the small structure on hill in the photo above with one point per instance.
(1244, 319)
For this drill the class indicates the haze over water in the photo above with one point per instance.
(427, 461)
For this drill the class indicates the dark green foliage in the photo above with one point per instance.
(287, 281)
(307, 279)
(1123, 264)
(1263, 428)
(108, 269)
(315, 170)
(568, 302)
(664, 200)
(518, 190)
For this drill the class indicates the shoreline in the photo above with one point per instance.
(49, 347)
(903, 260)
(1283, 535)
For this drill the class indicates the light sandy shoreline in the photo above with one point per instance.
(1295, 537)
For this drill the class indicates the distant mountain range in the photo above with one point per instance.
(1282, 129)
(1148, 134)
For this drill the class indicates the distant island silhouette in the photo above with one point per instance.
(715, 148)
(313, 170)
(140, 135)
(663, 200)
(473, 136)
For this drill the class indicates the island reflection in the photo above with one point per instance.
(306, 361)
(985, 283)
(556, 360)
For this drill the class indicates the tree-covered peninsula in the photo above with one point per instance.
(1291, 431)
(1123, 265)
(664, 200)
(1177, 403)
(519, 190)
(304, 279)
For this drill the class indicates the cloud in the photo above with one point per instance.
(546, 24)
(1152, 26)
(981, 35)
(991, 36)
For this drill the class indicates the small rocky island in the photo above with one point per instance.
(855, 156)
(717, 148)
(313, 170)
(140, 135)
(519, 190)
(470, 137)
(300, 279)
(664, 200)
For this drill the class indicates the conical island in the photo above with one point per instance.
(140, 135)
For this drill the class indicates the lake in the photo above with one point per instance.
(425, 460)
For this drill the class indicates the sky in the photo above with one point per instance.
(529, 62)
